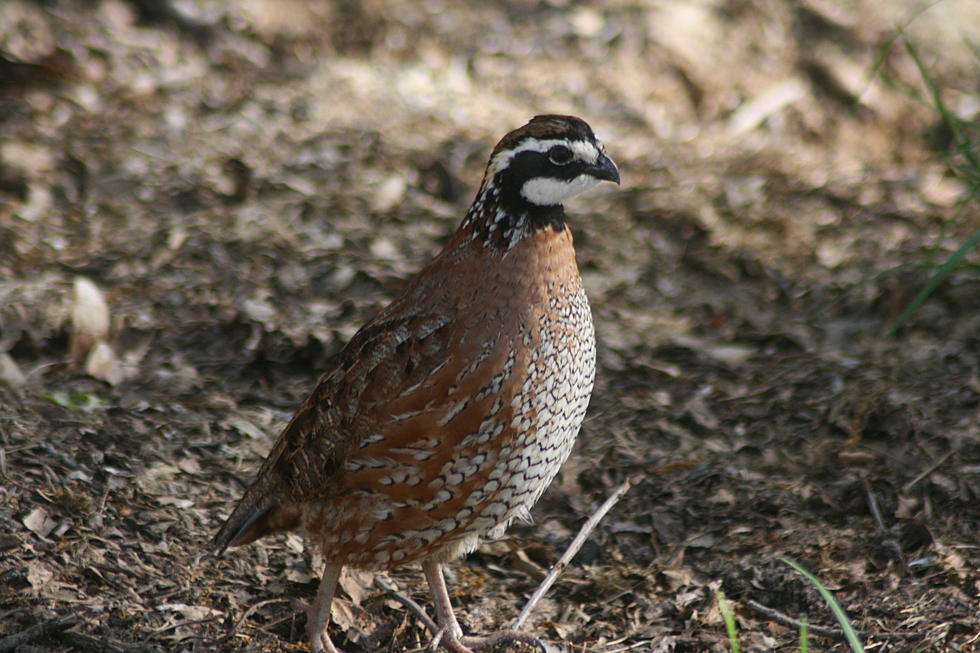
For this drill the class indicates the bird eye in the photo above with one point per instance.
(560, 155)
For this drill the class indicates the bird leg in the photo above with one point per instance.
(449, 629)
(318, 616)
(450, 635)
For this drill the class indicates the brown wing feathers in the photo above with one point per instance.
(377, 365)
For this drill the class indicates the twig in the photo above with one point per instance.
(38, 631)
(570, 552)
(818, 630)
(407, 601)
(873, 505)
(928, 470)
(248, 613)
(183, 624)
(795, 623)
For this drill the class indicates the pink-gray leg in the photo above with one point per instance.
(318, 617)
(450, 635)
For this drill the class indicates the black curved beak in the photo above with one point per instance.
(604, 168)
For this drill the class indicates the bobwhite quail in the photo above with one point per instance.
(449, 413)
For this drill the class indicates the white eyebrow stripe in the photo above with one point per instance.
(586, 151)
(583, 150)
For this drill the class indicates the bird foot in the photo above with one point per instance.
(320, 641)
(322, 644)
(503, 640)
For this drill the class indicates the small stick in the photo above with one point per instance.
(873, 505)
(37, 631)
(412, 606)
(928, 470)
(786, 620)
(248, 613)
(570, 552)
(183, 624)
(820, 630)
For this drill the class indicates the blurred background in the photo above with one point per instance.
(201, 201)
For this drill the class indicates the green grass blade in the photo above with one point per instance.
(935, 280)
(849, 634)
(968, 169)
(804, 635)
(885, 50)
(729, 616)
(952, 122)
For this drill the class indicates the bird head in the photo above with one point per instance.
(548, 160)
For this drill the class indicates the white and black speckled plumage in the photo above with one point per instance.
(450, 412)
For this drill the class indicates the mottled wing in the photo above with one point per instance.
(385, 358)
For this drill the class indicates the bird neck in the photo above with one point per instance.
(497, 221)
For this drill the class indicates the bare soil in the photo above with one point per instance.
(248, 181)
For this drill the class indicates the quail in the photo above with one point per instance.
(448, 414)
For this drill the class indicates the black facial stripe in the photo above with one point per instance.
(528, 165)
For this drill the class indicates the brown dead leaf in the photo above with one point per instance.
(191, 612)
(153, 479)
(357, 583)
(39, 522)
(39, 576)
(180, 502)
(189, 465)
(299, 574)
(677, 578)
(759, 642)
(723, 496)
(342, 614)
(691, 597)
(244, 426)
(952, 560)
(296, 544)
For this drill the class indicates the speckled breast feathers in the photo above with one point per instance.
(451, 411)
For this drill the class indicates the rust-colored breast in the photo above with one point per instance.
(468, 423)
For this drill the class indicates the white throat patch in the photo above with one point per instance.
(546, 191)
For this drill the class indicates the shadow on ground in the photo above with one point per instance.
(248, 182)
